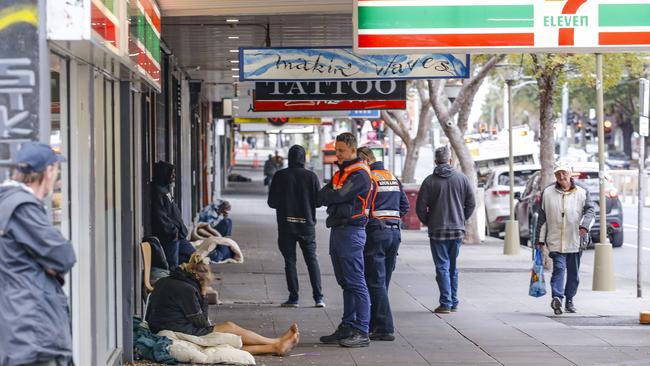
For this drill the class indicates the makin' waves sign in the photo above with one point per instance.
(340, 63)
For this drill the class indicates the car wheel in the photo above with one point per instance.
(617, 239)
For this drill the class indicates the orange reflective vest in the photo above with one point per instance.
(341, 176)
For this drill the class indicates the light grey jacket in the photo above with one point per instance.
(562, 214)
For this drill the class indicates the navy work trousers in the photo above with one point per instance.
(346, 251)
(380, 256)
(287, 244)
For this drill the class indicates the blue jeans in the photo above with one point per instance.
(221, 253)
(224, 227)
(380, 256)
(569, 263)
(444, 254)
(287, 245)
(346, 251)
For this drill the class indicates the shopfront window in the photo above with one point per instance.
(60, 207)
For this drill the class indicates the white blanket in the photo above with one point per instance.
(205, 246)
(212, 348)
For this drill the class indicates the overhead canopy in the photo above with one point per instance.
(252, 7)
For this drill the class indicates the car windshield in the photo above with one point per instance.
(521, 178)
(616, 155)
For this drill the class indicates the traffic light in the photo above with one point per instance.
(378, 126)
(570, 117)
(609, 134)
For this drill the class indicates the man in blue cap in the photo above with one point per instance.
(34, 258)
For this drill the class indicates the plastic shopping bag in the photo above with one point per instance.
(537, 286)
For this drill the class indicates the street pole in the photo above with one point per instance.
(644, 127)
(511, 244)
(603, 279)
(564, 148)
(391, 153)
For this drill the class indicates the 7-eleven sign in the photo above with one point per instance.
(502, 25)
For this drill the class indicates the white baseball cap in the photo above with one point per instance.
(562, 166)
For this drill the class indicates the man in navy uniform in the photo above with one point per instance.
(346, 198)
(388, 204)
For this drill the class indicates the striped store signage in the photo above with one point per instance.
(104, 22)
(520, 25)
(144, 38)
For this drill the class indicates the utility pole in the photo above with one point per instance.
(603, 255)
(644, 127)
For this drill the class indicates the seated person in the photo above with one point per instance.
(178, 303)
(216, 215)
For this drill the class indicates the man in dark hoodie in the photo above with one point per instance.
(34, 258)
(166, 220)
(294, 195)
(445, 202)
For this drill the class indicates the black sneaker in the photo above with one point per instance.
(343, 331)
(442, 310)
(388, 337)
(569, 307)
(357, 339)
(556, 305)
(454, 309)
(290, 304)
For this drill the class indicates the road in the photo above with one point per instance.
(625, 256)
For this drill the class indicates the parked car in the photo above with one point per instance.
(617, 160)
(497, 194)
(587, 174)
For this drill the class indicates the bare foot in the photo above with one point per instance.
(286, 344)
(293, 329)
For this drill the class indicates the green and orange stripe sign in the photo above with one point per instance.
(505, 25)
(144, 38)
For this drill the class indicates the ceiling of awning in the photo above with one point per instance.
(203, 43)
(252, 7)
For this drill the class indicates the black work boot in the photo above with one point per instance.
(356, 339)
(569, 307)
(343, 331)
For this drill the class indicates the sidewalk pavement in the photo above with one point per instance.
(497, 322)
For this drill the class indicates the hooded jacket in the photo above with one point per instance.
(176, 304)
(34, 310)
(445, 200)
(294, 195)
(562, 214)
(166, 220)
(346, 205)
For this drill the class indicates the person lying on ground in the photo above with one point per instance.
(178, 303)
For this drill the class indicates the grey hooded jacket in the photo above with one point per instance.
(445, 200)
(33, 308)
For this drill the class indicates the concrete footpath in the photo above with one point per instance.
(497, 322)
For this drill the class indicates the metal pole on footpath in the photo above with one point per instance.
(603, 254)
(644, 113)
(511, 244)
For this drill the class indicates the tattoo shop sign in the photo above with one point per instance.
(341, 63)
(329, 95)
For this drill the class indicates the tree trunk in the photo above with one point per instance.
(547, 71)
(410, 162)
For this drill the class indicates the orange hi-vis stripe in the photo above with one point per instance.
(339, 180)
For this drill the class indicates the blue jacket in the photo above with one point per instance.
(388, 201)
(35, 316)
(348, 195)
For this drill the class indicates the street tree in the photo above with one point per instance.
(445, 111)
(400, 121)
(552, 70)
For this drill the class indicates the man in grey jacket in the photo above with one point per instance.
(34, 258)
(445, 202)
(566, 214)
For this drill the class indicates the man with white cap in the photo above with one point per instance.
(566, 214)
